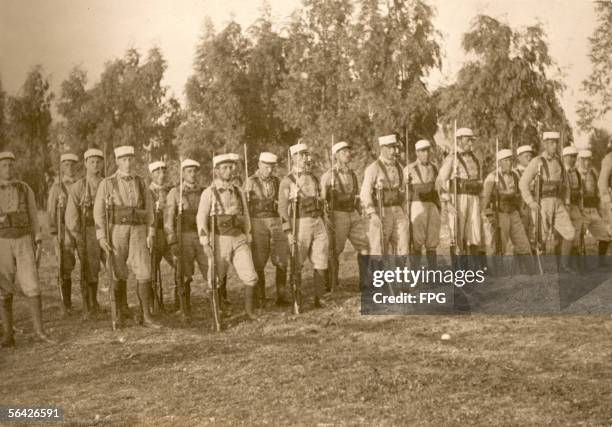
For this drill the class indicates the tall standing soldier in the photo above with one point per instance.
(131, 231)
(345, 217)
(233, 234)
(159, 189)
(524, 154)
(424, 208)
(269, 241)
(191, 250)
(383, 179)
(467, 207)
(591, 218)
(81, 197)
(553, 208)
(19, 236)
(58, 196)
(504, 189)
(312, 241)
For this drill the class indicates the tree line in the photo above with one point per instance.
(351, 69)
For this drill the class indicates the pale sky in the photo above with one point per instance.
(60, 34)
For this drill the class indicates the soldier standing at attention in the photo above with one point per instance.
(469, 236)
(269, 241)
(58, 196)
(131, 231)
(233, 234)
(553, 208)
(191, 250)
(424, 204)
(81, 197)
(300, 184)
(383, 185)
(159, 192)
(19, 234)
(346, 219)
(524, 154)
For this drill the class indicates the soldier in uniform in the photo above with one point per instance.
(269, 241)
(311, 236)
(503, 190)
(553, 208)
(345, 218)
(423, 205)
(233, 234)
(159, 192)
(469, 236)
(524, 154)
(131, 231)
(191, 250)
(58, 196)
(81, 197)
(383, 178)
(603, 186)
(590, 218)
(19, 234)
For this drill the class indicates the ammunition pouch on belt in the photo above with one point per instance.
(343, 202)
(309, 207)
(575, 198)
(189, 221)
(391, 197)
(229, 225)
(509, 203)
(14, 225)
(551, 189)
(124, 215)
(590, 201)
(263, 208)
(424, 193)
(472, 187)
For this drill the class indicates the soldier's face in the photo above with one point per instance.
(466, 143)
(550, 145)
(344, 156)
(525, 158)
(390, 152)
(7, 169)
(266, 169)
(506, 165)
(159, 176)
(189, 174)
(225, 170)
(126, 164)
(94, 164)
(68, 168)
(570, 161)
(303, 161)
(585, 163)
(423, 155)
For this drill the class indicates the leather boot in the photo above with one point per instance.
(564, 264)
(188, 297)
(281, 284)
(93, 297)
(66, 289)
(332, 274)
(361, 264)
(432, 259)
(6, 312)
(87, 311)
(602, 252)
(122, 302)
(117, 293)
(35, 305)
(223, 290)
(177, 300)
(144, 294)
(249, 299)
(318, 280)
(261, 289)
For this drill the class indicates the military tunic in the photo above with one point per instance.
(423, 206)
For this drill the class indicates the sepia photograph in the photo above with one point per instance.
(306, 212)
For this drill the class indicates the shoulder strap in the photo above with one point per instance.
(338, 180)
(544, 164)
(355, 182)
(217, 199)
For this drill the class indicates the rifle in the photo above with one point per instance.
(538, 220)
(293, 277)
(108, 211)
(498, 242)
(61, 230)
(333, 260)
(454, 234)
(179, 275)
(409, 206)
(212, 265)
(85, 206)
(158, 304)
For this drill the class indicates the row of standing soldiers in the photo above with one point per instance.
(396, 211)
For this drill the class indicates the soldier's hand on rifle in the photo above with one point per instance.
(534, 206)
(290, 238)
(149, 241)
(106, 247)
(208, 251)
(451, 209)
(376, 220)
